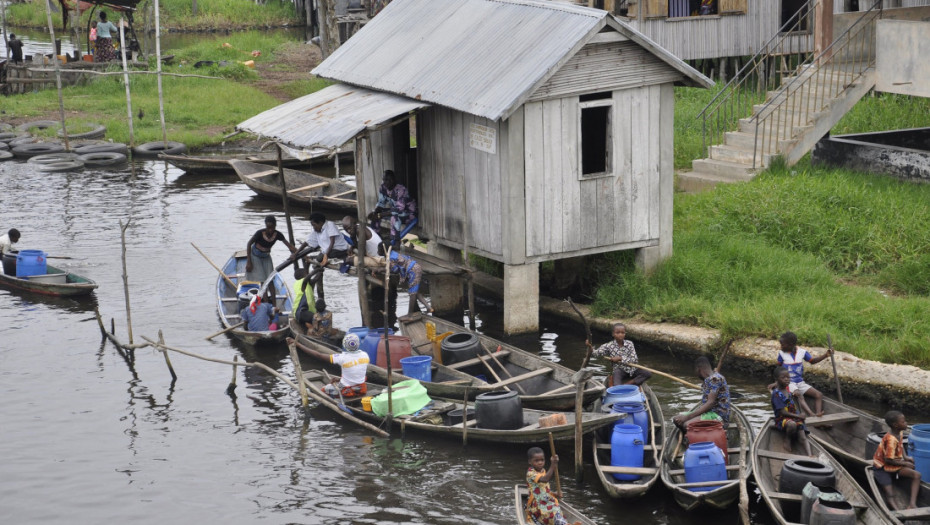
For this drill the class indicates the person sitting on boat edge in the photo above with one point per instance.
(792, 357)
(715, 401)
(394, 201)
(542, 507)
(303, 295)
(326, 236)
(621, 352)
(322, 324)
(258, 264)
(889, 461)
(259, 313)
(354, 363)
(8, 239)
(788, 418)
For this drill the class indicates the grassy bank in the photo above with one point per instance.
(176, 15)
(198, 111)
(814, 250)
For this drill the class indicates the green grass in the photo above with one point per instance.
(299, 88)
(176, 14)
(239, 48)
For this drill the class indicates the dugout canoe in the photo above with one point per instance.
(651, 459)
(56, 282)
(902, 495)
(739, 441)
(209, 164)
(303, 188)
(541, 383)
(447, 382)
(227, 303)
(521, 492)
(768, 458)
(430, 420)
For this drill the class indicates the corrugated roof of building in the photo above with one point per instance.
(328, 118)
(482, 57)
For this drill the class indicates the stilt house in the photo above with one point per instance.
(530, 130)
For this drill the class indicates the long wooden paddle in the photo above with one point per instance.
(555, 472)
(223, 331)
(839, 389)
(213, 264)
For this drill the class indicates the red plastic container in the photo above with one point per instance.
(708, 430)
(400, 348)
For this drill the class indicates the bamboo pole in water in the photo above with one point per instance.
(161, 95)
(161, 340)
(291, 346)
(469, 285)
(122, 48)
(387, 324)
(126, 276)
(61, 102)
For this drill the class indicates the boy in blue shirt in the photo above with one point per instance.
(792, 357)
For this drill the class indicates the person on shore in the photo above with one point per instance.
(93, 34)
(395, 202)
(322, 325)
(8, 239)
(105, 51)
(890, 462)
(304, 303)
(788, 418)
(621, 352)
(326, 236)
(354, 364)
(542, 506)
(15, 46)
(373, 246)
(792, 357)
(715, 400)
(258, 264)
(259, 313)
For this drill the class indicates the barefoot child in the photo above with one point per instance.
(621, 353)
(542, 508)
(890, 462)
(788, 418)
(792, 357)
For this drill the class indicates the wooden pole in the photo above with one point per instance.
(743, 489)
(223, 331)
(161, 340)
(61, 101)
(726, 350)
(387, 324)
(362, 219)
(213, 264)
(161, 95)
(579, 438)
(836, 378)
(663, 374)
(555, 472)
(122, 48)
(231, 388)
(465, 418)
(6, 35)
(126, 276)
(469, 285)
(300, 374)
(287, 210)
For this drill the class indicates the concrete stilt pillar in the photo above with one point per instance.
(521, 298)
(445, 291)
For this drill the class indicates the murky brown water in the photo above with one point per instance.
(88, 439)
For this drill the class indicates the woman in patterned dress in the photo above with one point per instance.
(542, 507)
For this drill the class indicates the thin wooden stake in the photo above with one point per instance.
(6, 35)
(61, 102)
(122, 48)
(387, 322)
(287, 210)
(465, 419)
(126, 277)
(363, 220)
(469, 285)
(231, 388)
(579, 401)
(292, 347)
(555, 472)
(223, 331)
(161, 341)
(743, 489)
(161, 95)
(836, 378)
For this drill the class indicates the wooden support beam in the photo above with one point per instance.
(639, 471)
(830, 419)
(771, 454)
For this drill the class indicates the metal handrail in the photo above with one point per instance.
(802, 78)
(735, 87)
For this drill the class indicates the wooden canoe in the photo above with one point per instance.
(673, 474)
(570, 514)
(447, 382)
(227, 303)
(303, 188)
(844, 431)
(651, 459)
(430, 420)
(548, 385)
(204, 164)
(902, 495)
(768, 457)
(56, 282)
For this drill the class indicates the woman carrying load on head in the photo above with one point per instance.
(105, 51)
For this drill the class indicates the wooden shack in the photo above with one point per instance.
(540, 131)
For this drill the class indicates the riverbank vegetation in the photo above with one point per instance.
(192, 112)
(811, 249)
(176, 15)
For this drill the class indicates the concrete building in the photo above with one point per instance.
(542, 131)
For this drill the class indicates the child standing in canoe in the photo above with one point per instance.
(792, 357)
(542, 507)
(788, 418)
(890, 462)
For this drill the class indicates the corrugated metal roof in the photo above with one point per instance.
(328, 118)
(477, 56)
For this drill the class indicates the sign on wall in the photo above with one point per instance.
(483, 138)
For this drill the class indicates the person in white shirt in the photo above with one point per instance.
(8, 240)
(373, 246)
(354, 362)
(326, 236)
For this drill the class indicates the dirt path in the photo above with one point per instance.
(292, 63)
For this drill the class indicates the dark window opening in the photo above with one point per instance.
(603, 95)
(794, 15)
(595, 139)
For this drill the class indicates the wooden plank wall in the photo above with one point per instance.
(377, 156)
(701, 37)
(565, 214)
(445, 158)
(615, 65)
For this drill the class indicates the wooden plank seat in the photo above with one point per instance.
(522, 377)
(697, 484)
(262, 174)
(681, 472)
(830, 419)
(477, 360)
(784, 456)
(785, 496)
(639, 471)
(910, 514)
(309, 187)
